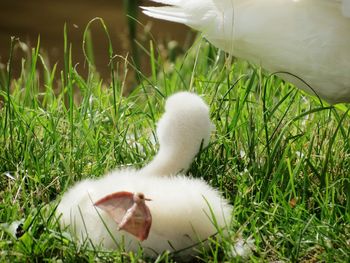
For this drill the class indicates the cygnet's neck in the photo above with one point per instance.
(171, 161)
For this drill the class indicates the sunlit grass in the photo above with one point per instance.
(278, 155)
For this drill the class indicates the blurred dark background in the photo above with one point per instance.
(26, 20)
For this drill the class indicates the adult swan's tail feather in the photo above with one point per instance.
(196, 14)
(170, 13)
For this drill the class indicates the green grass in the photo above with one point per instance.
(280, 156)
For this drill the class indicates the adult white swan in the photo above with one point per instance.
(301, 39)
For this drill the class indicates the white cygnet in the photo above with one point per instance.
(153, 207)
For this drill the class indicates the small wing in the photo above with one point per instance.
(116, 204)
(129, 211)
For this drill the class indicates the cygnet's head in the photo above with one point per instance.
(184, 126)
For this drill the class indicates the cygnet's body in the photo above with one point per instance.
(182, 208)
(309, 39)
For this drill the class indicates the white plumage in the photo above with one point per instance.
(306, 38)
(179, 205)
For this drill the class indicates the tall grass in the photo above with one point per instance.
(131, 8)
(280, 157)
